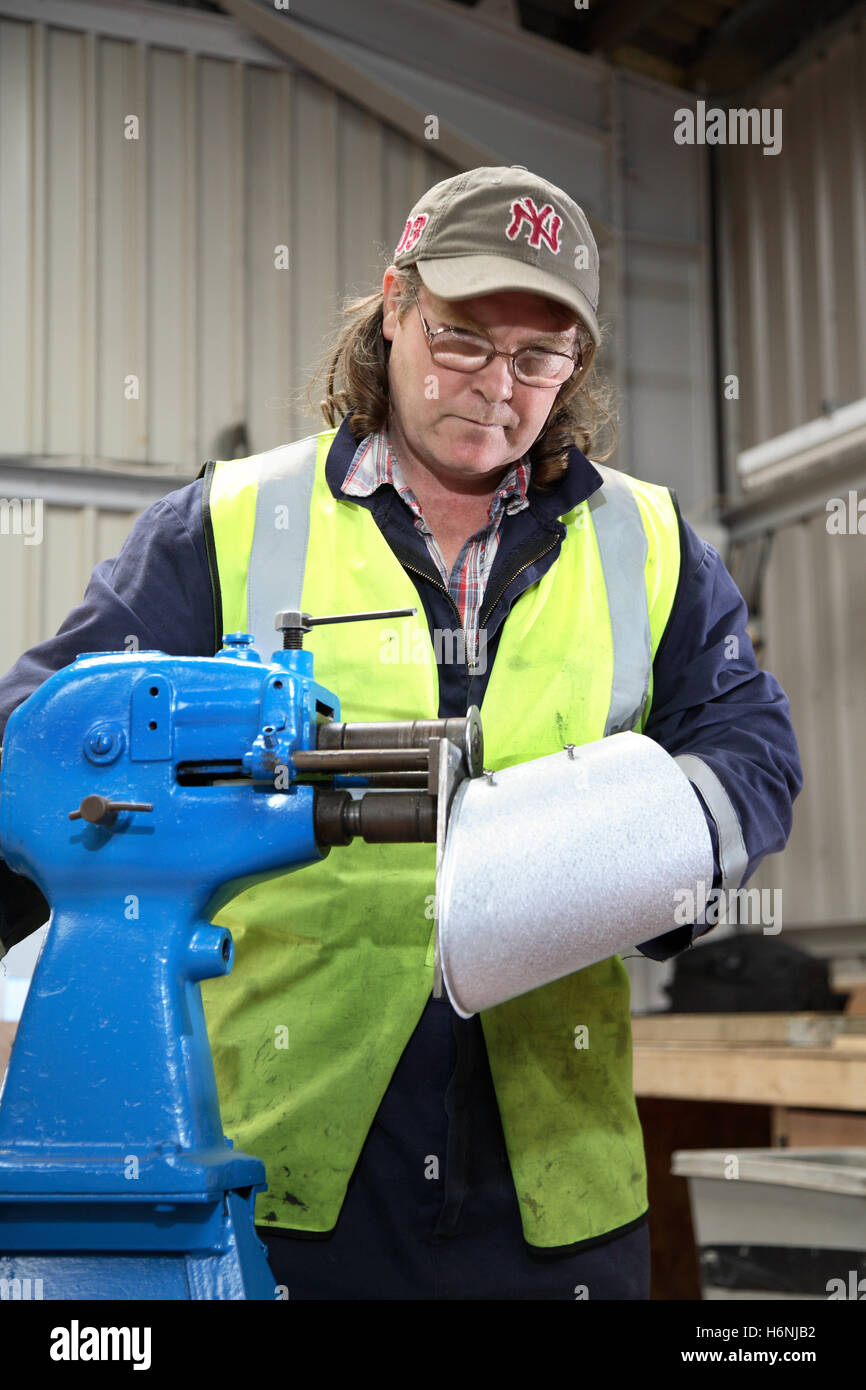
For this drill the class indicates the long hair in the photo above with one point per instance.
(354, 372)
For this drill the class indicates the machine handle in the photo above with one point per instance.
(294, 624)
(98, 809)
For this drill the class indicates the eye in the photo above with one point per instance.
(538, 357)
(455, 348)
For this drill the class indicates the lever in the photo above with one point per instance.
(293, 624)
(99, 810)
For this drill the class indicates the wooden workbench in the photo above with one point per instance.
(735, 1081)
(804, 1060)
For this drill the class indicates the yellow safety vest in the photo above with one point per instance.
(334, 962)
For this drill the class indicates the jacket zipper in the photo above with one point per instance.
(539, 556)
(471, 665)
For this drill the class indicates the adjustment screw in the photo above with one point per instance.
(104, 743)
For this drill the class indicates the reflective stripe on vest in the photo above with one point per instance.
(340, 954)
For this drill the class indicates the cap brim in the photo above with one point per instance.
(463, 277)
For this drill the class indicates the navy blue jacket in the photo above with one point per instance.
(724, 709)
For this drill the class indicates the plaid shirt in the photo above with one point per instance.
(375, 463)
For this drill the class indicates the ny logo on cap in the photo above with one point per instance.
(411, 233)
(524, 210)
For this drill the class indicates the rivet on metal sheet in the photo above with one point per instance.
(489, 775)
(569, 748)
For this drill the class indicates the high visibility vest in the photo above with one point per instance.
(334, 962)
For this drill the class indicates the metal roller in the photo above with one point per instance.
(464, 732)
(387, 818)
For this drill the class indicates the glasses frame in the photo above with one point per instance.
(431, 333)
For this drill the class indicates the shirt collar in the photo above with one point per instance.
(579, 481)
(375, 462)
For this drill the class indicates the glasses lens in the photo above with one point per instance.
(461, 352)
(538, 368)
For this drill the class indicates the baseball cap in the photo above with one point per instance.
(503, 228)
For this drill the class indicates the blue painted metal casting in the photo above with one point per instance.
(116, 1180)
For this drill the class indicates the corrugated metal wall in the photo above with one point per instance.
(42, 581)
(142, 312)
(795, 231)
(154, 258)
(815, 623)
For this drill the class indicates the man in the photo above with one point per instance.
(412, 1153)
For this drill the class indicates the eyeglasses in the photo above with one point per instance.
(462, 351)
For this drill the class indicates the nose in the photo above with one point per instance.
(495, 381)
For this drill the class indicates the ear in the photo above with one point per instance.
(391, 291)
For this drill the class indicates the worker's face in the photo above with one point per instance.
(465, 427)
